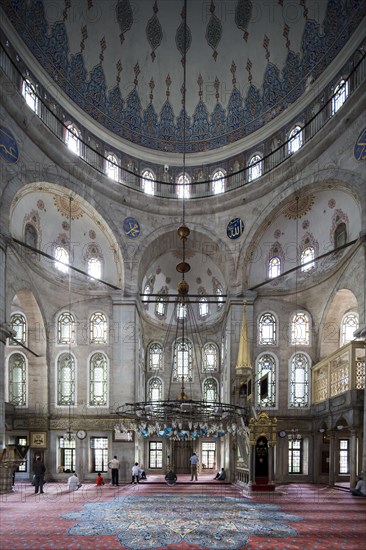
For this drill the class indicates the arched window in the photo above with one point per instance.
(148, 182)
(210, 358)
(66, 379)
(203, 307)
(181, 311)
(340, 235)
(218, 290)
(111, 166)
(155, 389)
(182, 361)
(98, 380)
(31, 235)
(266, 387)
(155, 357)
(267, 330)
(17, 366)
(184, 186)
(66, 328)
(274, 267)
(18, 323)
(161, 306)
(300, 329)
(61, 259)
(210, 390)
(98, 328)
(72, 138)
(299, 380)
(340, 95)
(295, 140)
(29, 94)
(95, 268)
(255, 167)
(307, 259)
(218, 182)
(349, 325)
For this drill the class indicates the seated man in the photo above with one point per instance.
(360, 489)
(220, 476)
(171, 478)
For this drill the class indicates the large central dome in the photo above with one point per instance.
(121, 61)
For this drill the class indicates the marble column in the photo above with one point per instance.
(331, 458)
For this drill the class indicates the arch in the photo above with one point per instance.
(210, 390)
(66, 328)
(148, 181)
(255, 167)
(17, 379)
(155, 357)
(72, 138)
(112, 166)
(155, 389)
(341, 301)
(300, 328)
(98, 379)
(19, 325)
(266, 393)
(66, 379)
(210, 357)
(98, 328)
(299, 380)
(267, 329)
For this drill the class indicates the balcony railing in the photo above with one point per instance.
(342, 371)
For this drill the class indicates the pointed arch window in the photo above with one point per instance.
(210, 390)
(267, 330)
(218, 290)
(98, 328)
(340, 95)
(72, 138)
(66, 328)
(349, 325)
(98, 380)
(182, 361)
(66, 379)
(299, 380)
(111, 166)
(61, 259)
(340, 235)
(148, 182)
(300, 329)
(18, 323)
(266, 387)
(181, 311)
(29, 94)
(274, 267)
(218, 182)
(307, 257)
(295, 139)
(210, 358)
(160, 307)
(155, 389)
(17, 368)
(95, 268)
(203, 310)
(184, 186)
(155, 357)
(255, 167)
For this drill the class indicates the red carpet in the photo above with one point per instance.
(317, 517)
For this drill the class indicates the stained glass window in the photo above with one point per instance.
(307, 257)
(210, 358)
(155, 357)
(155, 389)
(295, 139)
(300, 329)
(299, 381)
(148, 182)
(274, 267)
(98, 379)
(17, 379)
(29, 94)
(210, 391)
(98, 328)
(183, 186)
(111, 166)
(72, 138)
(295, 452)
(266, 388)
(203, 307)
(349, 325)
(66, 328)
(18, 323)
(66, 379)
(267, 330)
(255, 167)
(340, 95)
(218, 182)
(182, 361)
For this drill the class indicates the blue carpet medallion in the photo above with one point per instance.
(220, 523)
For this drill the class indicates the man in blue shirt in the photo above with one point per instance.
(194, 465)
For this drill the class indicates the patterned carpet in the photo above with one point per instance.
(199, 521)
(187, 517)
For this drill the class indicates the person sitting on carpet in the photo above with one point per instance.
(171, 478)
(99, 480)
(360, 489)
(73, 482)
(142, 474)
(220, 476)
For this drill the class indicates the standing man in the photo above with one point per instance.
(114, 466)
(194, 465)
(39, 471)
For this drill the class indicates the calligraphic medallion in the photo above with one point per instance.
(359, 150)
(131, 228)
(8, 145)
(235, 228)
